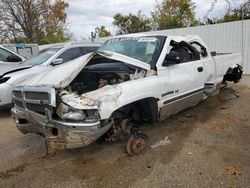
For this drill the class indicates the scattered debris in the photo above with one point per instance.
(198, 141)
(233, 170)
(228, 93)
(12, 172)
(190, 153)
(185, 118)
(61, 162)
(189, 115)
(182, 119)
(224, 107)
(224, 123)
(162, 142)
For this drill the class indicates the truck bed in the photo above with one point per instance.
(223, 62)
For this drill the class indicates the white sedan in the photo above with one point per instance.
(8, 57)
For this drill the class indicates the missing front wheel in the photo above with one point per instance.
(136, 144)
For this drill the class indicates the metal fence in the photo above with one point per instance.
(231, 37)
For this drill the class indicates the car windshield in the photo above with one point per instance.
(140, 48)
(43, 56)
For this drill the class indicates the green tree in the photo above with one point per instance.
(131, 23)
(36, 21)
(102, 31)
(174, 14)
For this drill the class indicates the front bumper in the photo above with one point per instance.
(59, 134)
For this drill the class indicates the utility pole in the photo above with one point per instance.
(242, 30)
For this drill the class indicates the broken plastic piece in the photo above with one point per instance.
(162, 142)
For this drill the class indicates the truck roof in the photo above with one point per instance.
(174, 37)
(66, 44)
(75, 44)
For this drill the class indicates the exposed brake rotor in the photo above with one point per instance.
(136, 144)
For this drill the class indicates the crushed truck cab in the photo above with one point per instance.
(130, 79)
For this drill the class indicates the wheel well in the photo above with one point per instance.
(141, 110)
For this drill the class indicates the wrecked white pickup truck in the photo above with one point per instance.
(130, 79)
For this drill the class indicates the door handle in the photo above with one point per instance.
(200, 69)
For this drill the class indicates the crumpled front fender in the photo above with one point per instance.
(103, 99)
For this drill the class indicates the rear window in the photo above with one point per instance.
(86, 50)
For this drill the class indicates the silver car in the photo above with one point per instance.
(12, 75)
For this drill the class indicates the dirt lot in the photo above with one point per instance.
(210, 147)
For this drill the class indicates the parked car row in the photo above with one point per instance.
(129, 79)
(13, 72)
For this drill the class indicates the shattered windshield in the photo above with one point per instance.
(140, 48)
(43, 56)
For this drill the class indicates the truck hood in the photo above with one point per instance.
(62, 75)
(7, 69)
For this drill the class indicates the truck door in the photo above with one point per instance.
(208, 74)
(182, 82)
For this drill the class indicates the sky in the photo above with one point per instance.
(85, 15)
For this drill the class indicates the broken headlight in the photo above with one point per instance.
(93, 114)
(67, 113)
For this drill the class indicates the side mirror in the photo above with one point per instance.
(57, 62)
(172, 58)
(13, 58)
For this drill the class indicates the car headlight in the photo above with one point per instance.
(93, 114)
(4, 79)
(67, 113)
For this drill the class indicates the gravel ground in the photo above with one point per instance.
(210, 147)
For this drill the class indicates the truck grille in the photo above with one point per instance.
(35, 99)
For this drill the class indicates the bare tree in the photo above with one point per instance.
(32, 20)
(233, 13)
